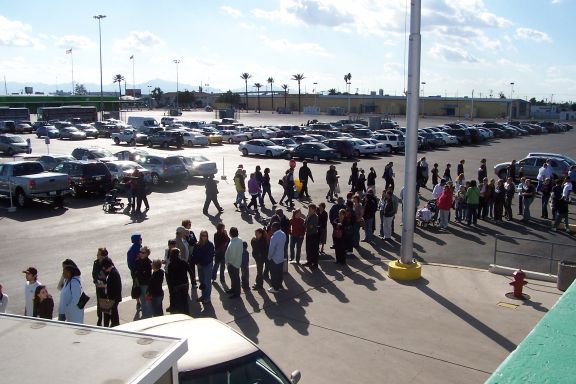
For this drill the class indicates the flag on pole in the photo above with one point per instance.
(69, 51)
(132, 57)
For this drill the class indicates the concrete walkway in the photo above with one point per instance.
(354, 324)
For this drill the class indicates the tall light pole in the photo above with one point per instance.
(511, 96)
(423, 84)
(348, 84)
(315, 84)
(99, 18)
(176, 61)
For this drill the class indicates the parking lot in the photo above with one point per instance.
(43, 236)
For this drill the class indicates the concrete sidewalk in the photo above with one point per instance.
(354, 324)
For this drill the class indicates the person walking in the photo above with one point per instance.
(113, 292)
(435, 173)
(353, 179)
(460, 168)
(472, 199)
(240, 185)
(332, 181)
(233, 257)
(482, 171)
(528, 193)
(155, 293)
(369, 215)
(178, 284)
(511, 171)
(99, 279)
(211, 195)
(276, 257)
(424, 173)
(388, 175)
(254, 191)
(361, 184)
(312, 237)
(304, 173)
(32, 282)
(203, 256)
(4, 300)
(143, 270)
(267, 187)
(70, 296)
(259, 245)
(297, 232)
(322, 225)
(260, 178)
(140, 190)
(43, 303)
(447, 175)
(221, 241)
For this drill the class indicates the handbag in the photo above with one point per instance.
(105, 304)
(84, 298)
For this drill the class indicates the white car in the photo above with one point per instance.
(197, 165)
(284, 142)
(486, 133)
(361, 147)
(246, 130)
(446, 138)
(194, 138)
(381, 148)
(261, 147)
(233, 136)
(216, 353)
(262, 133)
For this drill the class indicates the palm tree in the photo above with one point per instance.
(299, 77)
(245, 76)
(119, 79)
(285, 88)
(258, 86)
(271, 82)
(347, 79)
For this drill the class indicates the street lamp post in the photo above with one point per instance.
(423, 84)
(348, 84)
(177, 61)
(511, 96)
(315, 84)
(99, 18)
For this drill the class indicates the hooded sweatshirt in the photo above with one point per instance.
(133, 251)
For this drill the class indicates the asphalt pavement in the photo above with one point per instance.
(358, 317)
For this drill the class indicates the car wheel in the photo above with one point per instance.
(289, 156)
(116, 141)
(316, 158)
(244, 152)
(269, 154)
(133, 142)
(390, 149)
(230, 141)
(76, 192)
(190, 144)
(21, 199)
(165, 145)
(150, 144)
(356, 153)
(155, 179)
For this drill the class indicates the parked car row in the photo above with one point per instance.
(530, 165)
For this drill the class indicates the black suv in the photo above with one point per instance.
(166, 139)
(86, 176)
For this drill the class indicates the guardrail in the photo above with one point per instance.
(531, 255)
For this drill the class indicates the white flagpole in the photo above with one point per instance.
(72, 60)
(133, 79)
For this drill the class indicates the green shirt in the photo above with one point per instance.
(473, 195)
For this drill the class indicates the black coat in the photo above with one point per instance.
(44, 309)
(177, 273)
(211, 187)
(155, 285)
(114, 285)
(143, 270)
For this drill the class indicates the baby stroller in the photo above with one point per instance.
(112, 202)
(428, 215)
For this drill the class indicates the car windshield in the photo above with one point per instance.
(253, 368)
(70, 129)
(267, 143)
(198, 158)
(129, 166)
(14, 139)
(95, 169)
(100, 153)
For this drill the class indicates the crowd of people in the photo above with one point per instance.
(192, 265)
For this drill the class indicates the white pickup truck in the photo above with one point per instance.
(27, 180)
(130, 136)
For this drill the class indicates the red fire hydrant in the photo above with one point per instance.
(519, 283)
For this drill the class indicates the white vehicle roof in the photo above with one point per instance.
(211, 342)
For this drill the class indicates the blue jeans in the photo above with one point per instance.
(296, 242)
(368, 228)
(526, 209)
(240, 199)
(145, 305)
(205, 276)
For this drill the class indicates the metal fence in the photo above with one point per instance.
(532, 255)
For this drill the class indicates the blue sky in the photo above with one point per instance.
(480, 45)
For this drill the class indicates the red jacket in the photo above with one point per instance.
(445, 200)
(297, 227)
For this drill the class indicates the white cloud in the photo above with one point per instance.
(532, 34)
(285, 46)
(513, 66)
(452, 54)
(140, 41)
(16, 34)
(236, 13)
(74, 41)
